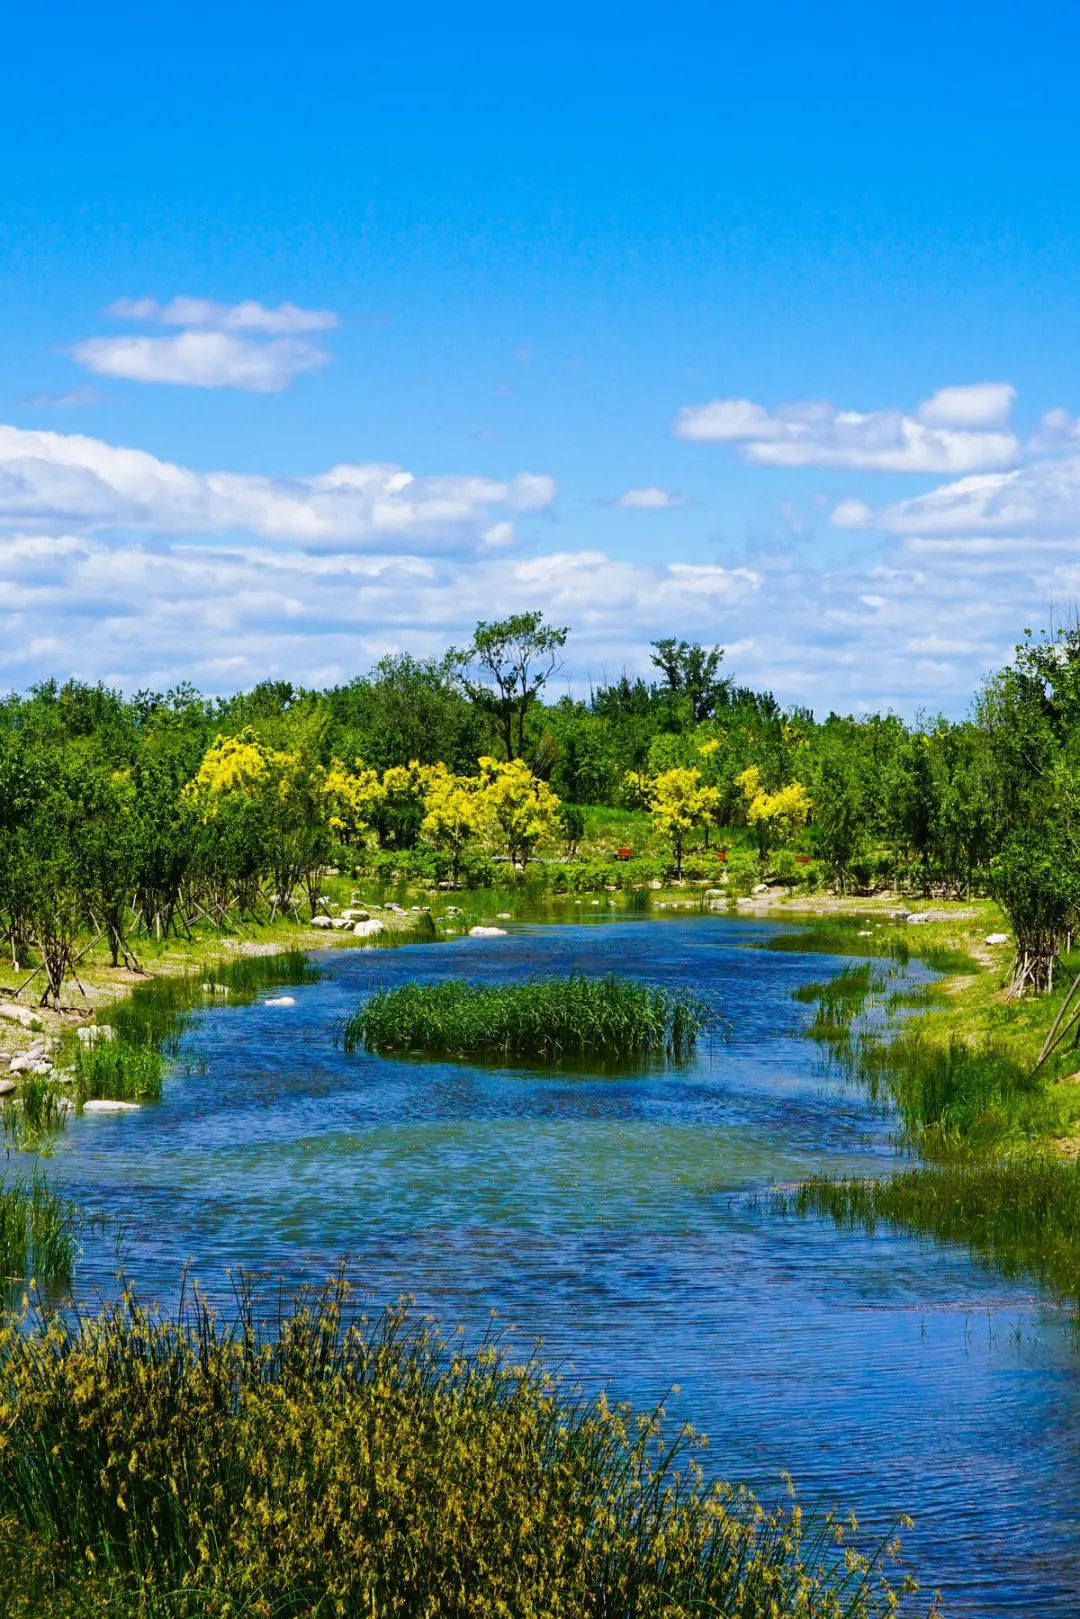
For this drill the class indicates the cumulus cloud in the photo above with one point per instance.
(196, 359)
(248, 316)
(85, 482)
(650, 499)
(957, 430)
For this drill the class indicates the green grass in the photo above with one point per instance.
(543, 1020)
(37, 1233)
(35, 1114)
(116, 1071)
(1022, 1217)
(321, 1463)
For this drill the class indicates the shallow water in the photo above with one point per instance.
(612, 1217)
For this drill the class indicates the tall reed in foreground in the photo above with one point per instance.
(543, 1019)
(325, 1464)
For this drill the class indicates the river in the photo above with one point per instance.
(613, 1216)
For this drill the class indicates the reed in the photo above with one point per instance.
(1022, 1216)
(542, 1020)
(35, 1115)
(37, 1233)
(322, 1463)
(117, 1071)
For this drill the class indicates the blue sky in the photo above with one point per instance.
(752, 326)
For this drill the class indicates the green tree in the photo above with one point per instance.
(505, 669)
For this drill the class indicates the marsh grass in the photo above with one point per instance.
(542, 1020)
(35, 1114)
(116, 1071)
(37, 1233)
(318, 1462)
(856, 936)
(1022, 1217)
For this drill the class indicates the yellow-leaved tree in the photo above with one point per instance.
(518, 807)
(263, 812)
(350, 796)
(679, 801)
(778, 817)
(453, 813)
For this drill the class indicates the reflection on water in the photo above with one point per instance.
(610, 1216)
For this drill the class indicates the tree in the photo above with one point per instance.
(690, 671)
(517, 656)
(840, 809)
(517, 806)
(453, 814)
(678, 801)
(1036, 881)
(778, 817)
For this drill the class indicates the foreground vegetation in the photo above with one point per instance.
(541, 1019)
(322, 1463)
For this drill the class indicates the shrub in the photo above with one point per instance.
(544, 1020)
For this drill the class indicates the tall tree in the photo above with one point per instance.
(513, 659)
(692, 674)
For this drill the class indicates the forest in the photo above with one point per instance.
(124, 817)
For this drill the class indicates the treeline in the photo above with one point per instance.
(124, 815)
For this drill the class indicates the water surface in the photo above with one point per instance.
(614, 1217)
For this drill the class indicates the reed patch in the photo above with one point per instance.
(319, 1462)
(540, 1020)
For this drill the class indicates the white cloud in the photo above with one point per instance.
(973, 404)
(959, 429)
(650, 499)
(248, 316)
(197, 359)
(1041, 499)
(88, 483)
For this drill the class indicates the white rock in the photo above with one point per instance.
(41, 1067)
(91, 1034)
(656, 883)
(713, 893)
(487, 933)
(340, 922)
(452, 910)
(503, 916)
(364, 930)
(280, 1000)
(21, 1063)
(356, 916)
(996, 938)
(760, 888)
(6, 1087)
(865, 933)
(19, 1014)
(107, 1105)
(321, 921)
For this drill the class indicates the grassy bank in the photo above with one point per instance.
(322, 1463)
(996, 1131)
(541, 1019)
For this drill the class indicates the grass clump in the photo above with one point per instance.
(1022, 1216)
(543, 1019)
(35, 1114)
(37, 1234)
(115, 1071)
(322, 1463)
